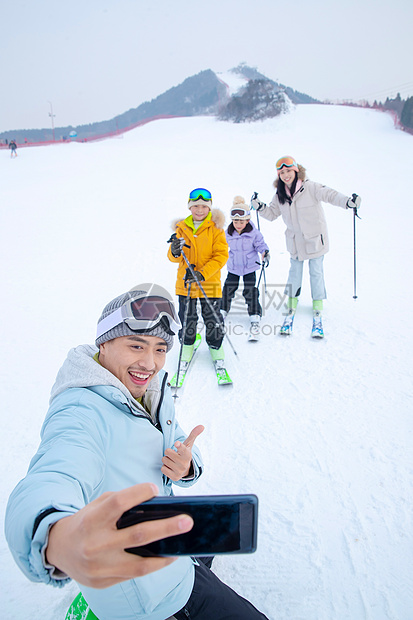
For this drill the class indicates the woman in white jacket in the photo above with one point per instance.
(298, 201)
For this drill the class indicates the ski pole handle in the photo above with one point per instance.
(172, 239)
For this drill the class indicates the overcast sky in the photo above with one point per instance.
(94, 59)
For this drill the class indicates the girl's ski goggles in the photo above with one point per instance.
(239, 212)
(198, 193)
(142, 313)
(288, 162)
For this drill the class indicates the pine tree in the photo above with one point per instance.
(406, 117)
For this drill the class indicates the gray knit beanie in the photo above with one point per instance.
(123, 329)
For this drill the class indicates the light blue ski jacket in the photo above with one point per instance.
(95, 438)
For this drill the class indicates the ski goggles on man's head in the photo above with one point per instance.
(143, 312)
(240, 212)
(288, 162)
(200, 193)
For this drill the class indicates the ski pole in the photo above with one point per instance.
(355, 214)
(265, 278)
(253, 197)
(259, 279)
(210, 306)
(188, 297)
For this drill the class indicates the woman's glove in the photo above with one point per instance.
(266, 258)
(354, 202)
(255, 203)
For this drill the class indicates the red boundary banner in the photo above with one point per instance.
(103, 136)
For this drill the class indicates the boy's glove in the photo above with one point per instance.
(190, 279)
(266, 258)
(176, 246)
(256, 204)
(354, 202)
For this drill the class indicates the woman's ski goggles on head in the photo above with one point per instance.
(200, 193)
(288, 162)
(141, 314)
(239, 212)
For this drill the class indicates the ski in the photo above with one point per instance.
(317, 329)
(287, 327)
(223, 377)
(184, 371)
(80, 610)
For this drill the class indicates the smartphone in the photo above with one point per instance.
(222, 524)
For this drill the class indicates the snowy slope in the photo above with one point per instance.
(233, 81)
(320, 431)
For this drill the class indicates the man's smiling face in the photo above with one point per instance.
(134, 360)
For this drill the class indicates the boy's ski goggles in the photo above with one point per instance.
(141, 314)
(288, 162)
(238, 212)
(198, 193)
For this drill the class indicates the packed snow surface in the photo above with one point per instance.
(321, 431)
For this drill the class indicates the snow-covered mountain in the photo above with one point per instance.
(321, 431)
(207, 93)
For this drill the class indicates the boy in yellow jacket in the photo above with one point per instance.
(203, 232)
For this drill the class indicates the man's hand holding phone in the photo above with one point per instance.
(88, 547)
(177, 463)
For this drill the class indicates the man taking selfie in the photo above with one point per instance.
(110, 441)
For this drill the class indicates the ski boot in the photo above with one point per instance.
(217, 355)
(287, 326)
(254, 328)
(317, 330)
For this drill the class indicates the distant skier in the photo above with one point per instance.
(245, 241)
(203, 232)
(298, 201)
(13, 147)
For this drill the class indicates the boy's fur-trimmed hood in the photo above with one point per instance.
(217, 216)
(302, 176)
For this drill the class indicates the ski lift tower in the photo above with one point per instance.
(52, 117)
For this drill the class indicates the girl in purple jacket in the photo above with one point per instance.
(245, 242)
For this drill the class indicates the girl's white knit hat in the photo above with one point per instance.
(239, 202)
